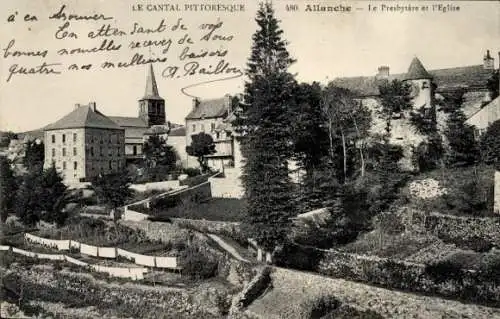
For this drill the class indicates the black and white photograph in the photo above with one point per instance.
(249, 159)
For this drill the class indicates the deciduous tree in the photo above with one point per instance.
(202, 144)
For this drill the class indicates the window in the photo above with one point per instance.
(100, 150)
(212, 127)
(64, 138)
(74, 151)
(134, 150)
(118, 152)
(425, 85)
(194, 127)
(64, 165)
(110, 165)
(63, 151)
(91, 151)
(74, 137)
(202, 127)
(53, 151)
(75, 165)
(53, 138)
(217, 135)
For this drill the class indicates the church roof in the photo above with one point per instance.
(125, 121)
(416, 71)
(151, 92)
(209, 109)
(467, 77)
(84, 116)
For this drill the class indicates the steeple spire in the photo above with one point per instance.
(151, 87)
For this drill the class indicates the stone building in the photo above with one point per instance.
(471, 80)
(213, 117)
(84, 144)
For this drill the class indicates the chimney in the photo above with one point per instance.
(383, 72)
(92, 106)
(488, 61)
(196, 102)
(77, 105)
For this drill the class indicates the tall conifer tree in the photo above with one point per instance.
(267, 144)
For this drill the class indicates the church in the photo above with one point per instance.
(151, 119)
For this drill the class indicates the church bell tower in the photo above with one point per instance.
(152, 106)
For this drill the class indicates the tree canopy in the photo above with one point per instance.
(202, 144)
(112, 189)
(267, 144)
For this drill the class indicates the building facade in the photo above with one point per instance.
(428, 89)
(213, 117)
(84, 144)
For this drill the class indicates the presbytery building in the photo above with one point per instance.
(84, 144)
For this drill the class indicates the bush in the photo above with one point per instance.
(196, 265)
(318, 307)
(445, 270)
(191, 172)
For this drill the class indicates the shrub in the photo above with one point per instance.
(445, 270)
(191, 172)
(196, 265)
(319, 306)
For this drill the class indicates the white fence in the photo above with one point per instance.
(105, 252)
(134, 273)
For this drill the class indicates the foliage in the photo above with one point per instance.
(34, 155)
(160, 158)
(463, 149)
(42, 196)
(202, 145)
(5, 138)
(428, 154)
(8, 188)
(490, 145)
(492, 85)
(112, 189)
(395, 97)
(319, 306)
(191, 172)
(348, 122)
(269, 93)
(197, 265)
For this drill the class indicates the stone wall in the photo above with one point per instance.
(132, 301)
(447, 226)
(453, 283)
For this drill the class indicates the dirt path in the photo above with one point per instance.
(227, 247)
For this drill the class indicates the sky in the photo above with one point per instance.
(325, 45)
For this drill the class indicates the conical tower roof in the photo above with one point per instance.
(151, 92)
(416, 71)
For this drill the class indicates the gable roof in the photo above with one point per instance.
(209, 109)
(416, 71)
(125, 121)
(151, 92)
(84, 116)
